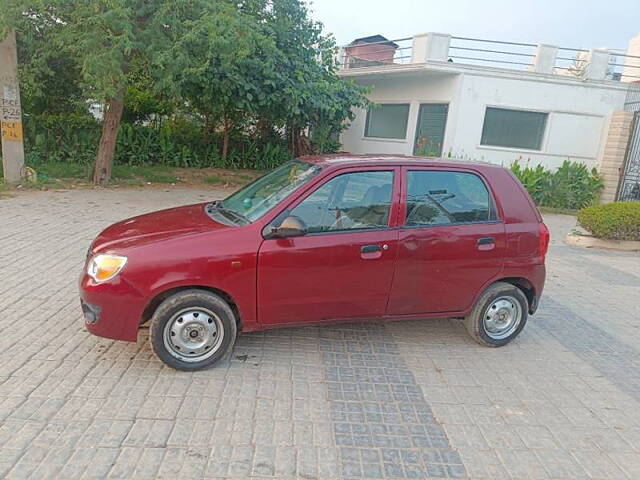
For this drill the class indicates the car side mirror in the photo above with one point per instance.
(291, 226)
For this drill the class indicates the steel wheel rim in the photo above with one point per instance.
(502, 317)
(193, 334)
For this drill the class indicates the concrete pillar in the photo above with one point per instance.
(10, 112)
(631, 70)
(545, 59)
(342, 58)
(430, 47)
(598, 64)
(615, 149)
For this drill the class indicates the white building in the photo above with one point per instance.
(484, 100)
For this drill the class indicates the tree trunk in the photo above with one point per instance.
(291, 138)
(110, 126)
(295, 134)
(208, 129)
(225, 138)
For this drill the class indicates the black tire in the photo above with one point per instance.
(192, 304)
(480, 320)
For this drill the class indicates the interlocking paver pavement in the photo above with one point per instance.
(411, 399)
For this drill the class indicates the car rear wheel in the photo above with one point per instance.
(192, 330)
(499, 315)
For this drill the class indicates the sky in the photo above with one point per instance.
(566, 23)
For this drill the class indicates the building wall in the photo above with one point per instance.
(412, 90)
(576, 126)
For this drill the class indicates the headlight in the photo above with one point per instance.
(104, 267)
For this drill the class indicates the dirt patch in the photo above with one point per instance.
(589, 241)
(215, 176)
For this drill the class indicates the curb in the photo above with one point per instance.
(588, 241)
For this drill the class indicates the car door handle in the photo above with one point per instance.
(486, 241)
(370, 248)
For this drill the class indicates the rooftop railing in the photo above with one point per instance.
(593, 64)
(477, 51)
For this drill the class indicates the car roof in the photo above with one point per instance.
(353, 160)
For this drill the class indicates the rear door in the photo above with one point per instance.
(451, 243)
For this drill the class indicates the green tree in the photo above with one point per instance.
(105, 38)
(269, 65)
(50, 79)
(311, 95)
(237, 65)
(231, 71)
(143, 103)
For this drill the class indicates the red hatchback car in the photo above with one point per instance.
(323, 239)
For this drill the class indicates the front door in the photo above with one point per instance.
(452, 242)
(432, 122)
(343, 266)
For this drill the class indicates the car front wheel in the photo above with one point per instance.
(192, 330)
(499, 315)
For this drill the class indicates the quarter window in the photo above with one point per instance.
(513, 128)
(440, 198)
(387, 121)
(352, 201)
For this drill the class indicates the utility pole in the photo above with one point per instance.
(10, 112)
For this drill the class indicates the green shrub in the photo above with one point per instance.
(535, 180)
(428, 148)
(617, 221)
(61, 138)
(572, 186)
(177, 142)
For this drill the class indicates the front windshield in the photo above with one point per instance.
(257, 198)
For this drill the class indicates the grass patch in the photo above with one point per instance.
(213, 179)
(4, 189)
(57, 175)
(561, 211)
(124, 174)
(51, 175)
(61, 170)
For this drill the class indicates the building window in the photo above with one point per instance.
(387, 121)
(513, 128)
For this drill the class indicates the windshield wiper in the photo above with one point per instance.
(235, 214)
(218, 205)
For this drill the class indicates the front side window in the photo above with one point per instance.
(387, 121)
(352, 201)
(513, 128)
(439, 198)
(257, 198)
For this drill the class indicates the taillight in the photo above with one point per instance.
(544, 240)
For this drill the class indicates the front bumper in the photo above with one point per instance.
(91, 312)
(112, 309)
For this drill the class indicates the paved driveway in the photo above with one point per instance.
(403, 400)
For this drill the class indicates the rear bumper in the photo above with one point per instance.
(539, 274)
(533, 306)
(111, 309)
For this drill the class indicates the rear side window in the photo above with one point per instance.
(437, 197)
